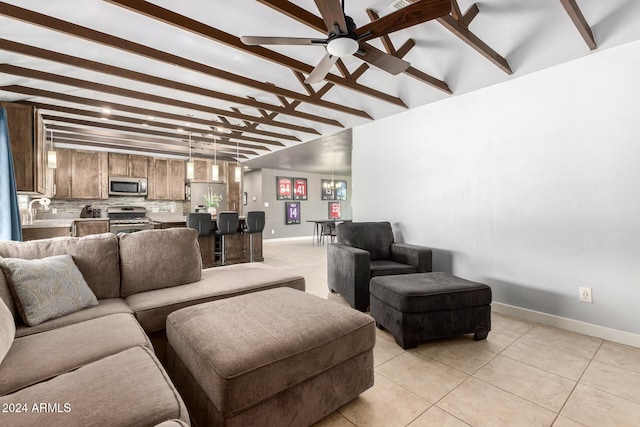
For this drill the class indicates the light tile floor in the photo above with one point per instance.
(524, 374)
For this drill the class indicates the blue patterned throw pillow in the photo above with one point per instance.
(46, 288)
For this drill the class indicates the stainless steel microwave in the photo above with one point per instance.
(123, 186)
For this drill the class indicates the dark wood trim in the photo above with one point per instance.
(411, 71)
(41, 93)
(580, 22)
(49, 55)
(79, 31)
(155, 123)
(450, 23)
(180, 21)
(115, 137)
(173, 135)
(115, 90)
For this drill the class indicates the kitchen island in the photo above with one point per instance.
(237, 245)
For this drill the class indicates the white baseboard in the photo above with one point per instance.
(285, 239)
(615, 335)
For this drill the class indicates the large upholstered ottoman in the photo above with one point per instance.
(279, 357)
(422, 306)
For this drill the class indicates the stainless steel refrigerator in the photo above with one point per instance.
(198, 190)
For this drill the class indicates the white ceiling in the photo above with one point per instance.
(530, 34)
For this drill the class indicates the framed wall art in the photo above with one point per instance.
(334, 210)
(284, 188)
(340, 190)
(327, 190)
(300, 188)
(292, 213)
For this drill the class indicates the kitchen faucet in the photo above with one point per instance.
(44, 202)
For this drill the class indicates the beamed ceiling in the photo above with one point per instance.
(148, 75)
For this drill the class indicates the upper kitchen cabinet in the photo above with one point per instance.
(166, 179)
(27, 138)
(81, 175)
(130, 165)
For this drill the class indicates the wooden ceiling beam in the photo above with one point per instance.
(104, 39)
(41, 93)
(580, 22)
(410, 71)
(469, 15)
(179, 136)
(49, 55)
(118, 137)
(157, 124)
(196, 27)
(462, 32)
(83, 139)
(303, 16)
(143, 96)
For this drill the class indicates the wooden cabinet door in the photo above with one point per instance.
(118, 164)
(201, 170)
(81, 175)
(137, 166)
(21, 126)
(62, 175)
(177, 177)
(158, 181)
(87, 175)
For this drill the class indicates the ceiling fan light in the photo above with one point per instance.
(342, 46)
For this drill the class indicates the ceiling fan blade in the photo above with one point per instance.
(322, 69)
(254, 41)
(414, 14)
(389, 63)
(332, 14)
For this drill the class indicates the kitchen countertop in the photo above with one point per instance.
(56, 223)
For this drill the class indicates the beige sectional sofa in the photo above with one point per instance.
(97, 366)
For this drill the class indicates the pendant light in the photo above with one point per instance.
(52, 160)
(215, 170)
(238, 173)
(190, 167)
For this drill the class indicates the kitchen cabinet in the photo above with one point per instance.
(129, 165)
(166, 179)
(81, 175)
(27, 139)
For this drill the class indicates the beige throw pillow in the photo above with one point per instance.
(7, 329)
(46, 288)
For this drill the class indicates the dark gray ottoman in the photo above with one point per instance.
(279, 357)
(422, 306)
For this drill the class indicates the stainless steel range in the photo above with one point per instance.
(128, 219)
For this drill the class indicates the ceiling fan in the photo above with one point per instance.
(345, 39)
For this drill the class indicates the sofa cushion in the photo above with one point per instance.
(156, 259)
(388, 268)
(105, 307)
(7, 330)
(67, 349)
(129, 388)
(46, 288)
(96, 257)
(374, 237)
(5, 295)
(153, 307)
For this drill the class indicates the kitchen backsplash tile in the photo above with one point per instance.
(69, 208)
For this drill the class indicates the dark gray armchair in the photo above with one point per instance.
(365, 250)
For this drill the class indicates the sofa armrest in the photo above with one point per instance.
(418, 256)
(348, 273)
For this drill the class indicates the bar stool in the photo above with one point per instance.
(201, 222)
(255, 224)
(227, 223)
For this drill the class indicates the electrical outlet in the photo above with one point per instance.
(585, 294)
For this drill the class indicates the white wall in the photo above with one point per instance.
(531, 186)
